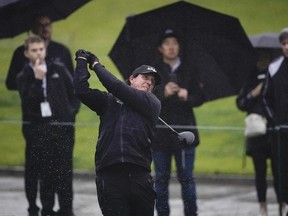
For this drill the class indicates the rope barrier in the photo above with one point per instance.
(183, 127)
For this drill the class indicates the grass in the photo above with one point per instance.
(96, 27)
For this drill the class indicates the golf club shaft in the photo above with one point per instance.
(168, 125)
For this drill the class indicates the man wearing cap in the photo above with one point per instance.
(128, 115)
(178, 92)
(276, 103)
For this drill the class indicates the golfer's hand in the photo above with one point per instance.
(183, 94)
(171, 88)
(93, 60)
(82, 54)
(39, 70)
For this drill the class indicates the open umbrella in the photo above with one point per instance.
(265, 40)
(16, 16)
(215, 42)
(6, 2)
(268, 41)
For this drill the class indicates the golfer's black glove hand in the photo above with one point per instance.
(93, 60)
(82, 54)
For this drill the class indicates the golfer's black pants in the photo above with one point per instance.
(125, 190)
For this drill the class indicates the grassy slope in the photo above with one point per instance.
(95, 27)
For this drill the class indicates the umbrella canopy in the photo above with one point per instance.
(267, 41)
(6, 2)
(214, 42)
(16, 16)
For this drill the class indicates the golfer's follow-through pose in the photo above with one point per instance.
(128, 115)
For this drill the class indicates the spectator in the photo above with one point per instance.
(276, 103)
(42, 26)
(179, 92)
(257, 147)
(49, 107)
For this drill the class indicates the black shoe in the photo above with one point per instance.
(51, 213)
(65, 214)
(33, 210)
(33, 214)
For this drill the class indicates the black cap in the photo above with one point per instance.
(147, 69)
(283, 35)
(166, 34)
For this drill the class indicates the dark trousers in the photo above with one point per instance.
(31, 175)
(125, 190)
(50, 156)
(260, 167)
(280, 164)
(259, 148)
(184, 158)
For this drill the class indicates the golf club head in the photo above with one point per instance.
(186, 138)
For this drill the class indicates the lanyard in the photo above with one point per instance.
(44, 86)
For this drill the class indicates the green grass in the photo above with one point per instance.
(96, 27)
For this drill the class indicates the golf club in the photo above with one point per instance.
(186, 136)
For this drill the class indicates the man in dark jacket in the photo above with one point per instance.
(179, 92)
(276, 104)
(128, 115)
(49, 107)
(41, 26)
(56, 52)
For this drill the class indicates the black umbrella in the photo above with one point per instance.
(267, 41)
(16, 16)
(6, 2)
(214, 42)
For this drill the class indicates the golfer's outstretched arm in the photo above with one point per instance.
(92, 98)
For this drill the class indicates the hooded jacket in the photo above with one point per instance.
(127, 118)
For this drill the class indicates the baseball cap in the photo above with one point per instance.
(147, 69)
(166, 34)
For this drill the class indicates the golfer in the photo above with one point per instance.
(128, 115)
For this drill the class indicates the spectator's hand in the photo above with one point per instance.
(183, 94)
(39, 69)
(82, 54)
(257, 90)
(171, 88)
(93, 60)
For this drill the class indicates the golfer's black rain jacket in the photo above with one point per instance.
(127, 118)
